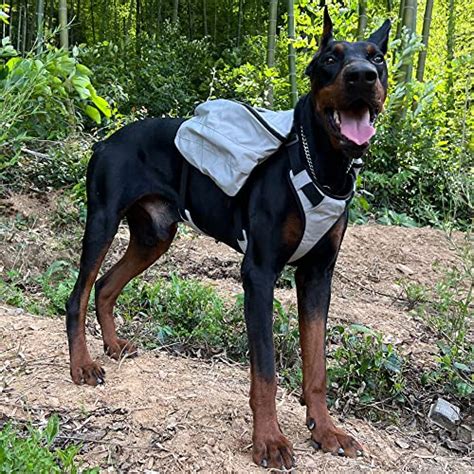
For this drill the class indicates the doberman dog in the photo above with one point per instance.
(136, 173)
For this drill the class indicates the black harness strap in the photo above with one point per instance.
(312, 193)
(183, 186)
(293, 149)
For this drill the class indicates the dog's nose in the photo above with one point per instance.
(360, 74)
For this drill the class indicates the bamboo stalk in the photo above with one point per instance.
(63, 27)
(362, 21)
(292, 54)
(271, 43)
(420, 70)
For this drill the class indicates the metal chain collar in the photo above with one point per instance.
(307, 155)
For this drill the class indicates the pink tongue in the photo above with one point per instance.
(356, 127)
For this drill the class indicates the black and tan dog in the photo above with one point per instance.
(137, 173)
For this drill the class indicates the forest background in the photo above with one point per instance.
(73, 66)
(74, 71)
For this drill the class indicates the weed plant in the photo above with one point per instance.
(364, 366)
(190, 317)
(447, 309)
(33, 452)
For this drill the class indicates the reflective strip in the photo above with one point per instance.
(189, 221)
(318, 219)
(244, 242)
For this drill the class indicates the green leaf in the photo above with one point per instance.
(84, 70)
(392, 363)
(11, 63)
(81, 85)
(464, 389)
(360, 328)
(102, 105)
(52, 429)
(93, 113)
(462, 367)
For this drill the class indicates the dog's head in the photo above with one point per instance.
(349, 87)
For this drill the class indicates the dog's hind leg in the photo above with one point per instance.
(101, 227)
(152, 229)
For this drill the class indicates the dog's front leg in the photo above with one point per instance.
(313, 285)
(270, 447)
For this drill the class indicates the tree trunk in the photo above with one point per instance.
(25, 27)
(409, 22)
(215, 22)
(190, 20)
(239, 21)
(10, 11)
(79, 32)
(18, 29)
(204, 19)
(93, 21)
(291, 54)
(39, 26)
(175, 11)
(116, 26)
(63, 33)
(362, 23)
(229, 17)
(137, 19)
(271, 43)
(420, 70)
(400, 19)
(450, 43)
(158, 17)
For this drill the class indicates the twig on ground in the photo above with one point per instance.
(36, 154)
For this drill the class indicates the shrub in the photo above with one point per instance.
(446, 308)
(363, 365)
(57, 284)
(42, 97)
(178, 310)
(167, 74)
(33, 452)
(44, 93)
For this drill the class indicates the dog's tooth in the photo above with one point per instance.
(336, 117)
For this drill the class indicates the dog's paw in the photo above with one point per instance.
(120, 348)
(273, 451)
(89, 373)
(333, 440)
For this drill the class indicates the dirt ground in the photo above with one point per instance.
(162, 413)
(169, 414)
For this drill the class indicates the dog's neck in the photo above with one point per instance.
(330, 165)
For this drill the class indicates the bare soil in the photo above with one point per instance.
(169, 414)
(162, 413)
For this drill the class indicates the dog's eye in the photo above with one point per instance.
(329, 60)
(378, 59)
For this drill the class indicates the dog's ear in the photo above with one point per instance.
(325, 39)
(380, 37)
(327, 29)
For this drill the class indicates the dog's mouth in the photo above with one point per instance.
(354, 124)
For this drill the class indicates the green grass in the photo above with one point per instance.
(446, 308)
(193, 318)
(33, 452)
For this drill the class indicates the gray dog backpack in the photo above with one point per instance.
(226, 140)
